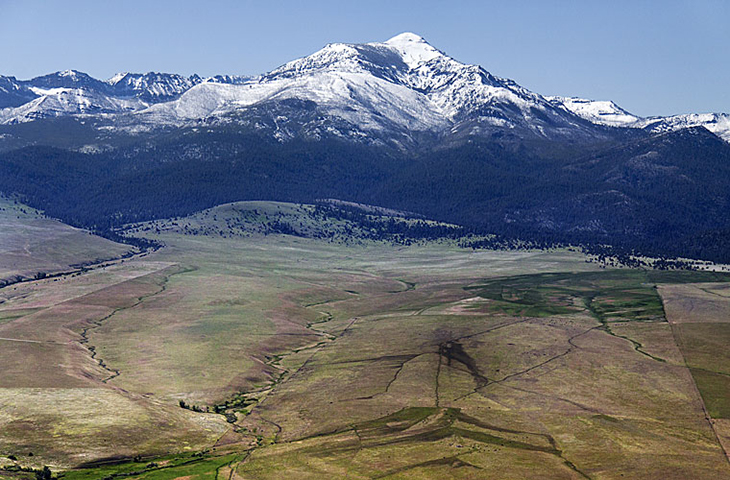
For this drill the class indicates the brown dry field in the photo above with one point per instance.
(699, 315)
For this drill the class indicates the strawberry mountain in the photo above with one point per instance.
(397, 124)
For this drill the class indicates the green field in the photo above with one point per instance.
(314, 358)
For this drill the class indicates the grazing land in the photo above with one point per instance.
(237, 353)
(32, 244)
(699, 315)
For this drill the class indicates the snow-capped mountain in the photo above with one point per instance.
(398, 124)
(151, 87)
(61, 101)
(71, 92)
(67, 79)
(610, 114)
(400, 91)
(402, 87)
(717, 123)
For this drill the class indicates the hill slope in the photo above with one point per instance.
(33, 245)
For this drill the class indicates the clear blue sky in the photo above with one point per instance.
(651, 57)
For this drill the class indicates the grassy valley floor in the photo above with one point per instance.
(254, 356)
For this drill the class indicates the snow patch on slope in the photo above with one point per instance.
(602, 112)
(608, 113)
(717, 123)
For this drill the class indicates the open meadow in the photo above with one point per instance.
(31, 243)
(232, 353)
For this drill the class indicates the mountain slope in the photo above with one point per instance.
(33, 246)
(13, 93)
(667, 193)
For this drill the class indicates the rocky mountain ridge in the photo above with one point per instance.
(398, 91)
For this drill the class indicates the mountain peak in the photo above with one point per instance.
(413, 49)
(65, 79)
(72, 75)
(117, 78)
(405, 38)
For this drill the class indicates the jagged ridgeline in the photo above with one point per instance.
(397, 124)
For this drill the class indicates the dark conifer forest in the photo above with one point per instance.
(657, 194)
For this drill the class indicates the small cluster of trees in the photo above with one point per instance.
(42, 474)
(194, 408)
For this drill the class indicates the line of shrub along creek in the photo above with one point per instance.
(244, 403)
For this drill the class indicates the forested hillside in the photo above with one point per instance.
(660, 194)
